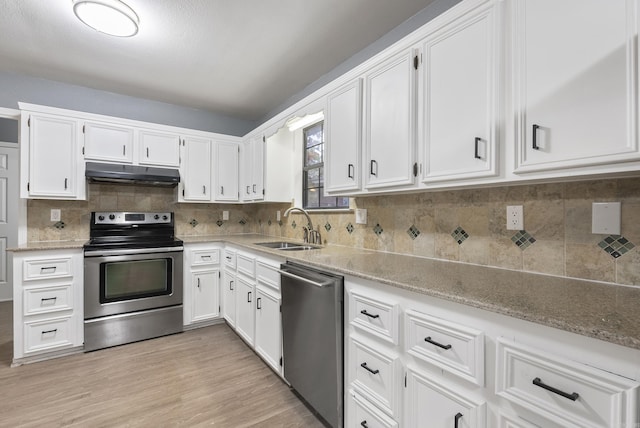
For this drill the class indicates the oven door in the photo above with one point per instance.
(123, 281)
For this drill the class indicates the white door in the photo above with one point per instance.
(268, 328)
(205, 295)
(245, 314)
(227, 170)
(196, 169)
(8, 212)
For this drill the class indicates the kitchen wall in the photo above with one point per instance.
(469, 226)
(462, 225)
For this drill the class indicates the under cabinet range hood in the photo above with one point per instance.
(131, 174)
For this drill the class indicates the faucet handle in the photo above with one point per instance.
(305, 236)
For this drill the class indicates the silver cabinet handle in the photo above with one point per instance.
(308, 281)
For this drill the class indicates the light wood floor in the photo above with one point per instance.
(204, 377)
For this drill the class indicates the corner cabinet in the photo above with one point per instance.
(459, 97)
(389, 122)
(344, 139)
(575, 85)
(52, 165)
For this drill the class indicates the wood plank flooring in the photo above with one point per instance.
(203, 377)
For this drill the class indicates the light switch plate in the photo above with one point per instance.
(361, 216)
(225, 215)
(605, 218)
(55, 215)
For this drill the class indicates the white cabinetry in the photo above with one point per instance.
(575, 83)
(253, 169)
(267, 168)
(51, 157)
(108, 142)
(201, 283)
(390, 108)
(459, 97)
(226, 170)
(195, 170)
(48, 304)
(229, 287)
(343, 170)
(245, 312)
(159, 148)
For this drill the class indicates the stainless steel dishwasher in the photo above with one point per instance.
(312, 313)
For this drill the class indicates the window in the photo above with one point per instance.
(313, 172)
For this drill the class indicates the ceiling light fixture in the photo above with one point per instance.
(111, 17)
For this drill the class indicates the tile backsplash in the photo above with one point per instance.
(461, 225)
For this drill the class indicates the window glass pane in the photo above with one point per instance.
(313, 135)
(313, 177)
(314, 155)
(313, 198)
(343, 202)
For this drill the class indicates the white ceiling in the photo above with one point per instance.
(241, 58)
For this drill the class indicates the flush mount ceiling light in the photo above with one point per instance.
(111, 17)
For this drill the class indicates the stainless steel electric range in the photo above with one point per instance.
(132, 278)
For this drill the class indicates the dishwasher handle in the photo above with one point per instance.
(306, 280)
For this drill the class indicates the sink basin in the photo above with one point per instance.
(287, 246)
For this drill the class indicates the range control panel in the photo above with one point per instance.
(127, 218)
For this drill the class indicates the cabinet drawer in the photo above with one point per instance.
(48, 299)
(205, 257)
(450, 346)
(47, 335)
(375, 375)
(246, 265)
(375, 316)
(230, 259)
(268, 275)
(366, 415)
(47, 268)
(567, 393)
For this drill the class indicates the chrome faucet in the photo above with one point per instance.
(310, 236)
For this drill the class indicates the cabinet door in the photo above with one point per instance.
(206, 304)
(433, 404)
(575, 80)
(196, 169)
(257, 148)
(390, 123)
(159, 148)
(54, 158)
(227, 157)
(268, 328)
(108, 142)
(459, 98)
(343, 141)
(245, 313)
(246, 171)
(229, 298)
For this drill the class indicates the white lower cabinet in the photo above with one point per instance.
(229, 297)
(48, 303)
(268, 338)
(245, 312)
(454, 366)
(201, 290)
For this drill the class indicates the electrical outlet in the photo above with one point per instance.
(515, 217)
(225, 215)
(361, 216)
(55, 215)
(278, 215)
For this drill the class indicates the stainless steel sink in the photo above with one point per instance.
(288, 246)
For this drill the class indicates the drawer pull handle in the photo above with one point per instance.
(206, 257)
(49, 331)
(228, 258)
(456, 418)
(364, 312)
(48, 299)
(364, 424)
(573, 396)
(439, 345)
(366, 367)
(48, 269)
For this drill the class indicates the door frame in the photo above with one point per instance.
(10, 113)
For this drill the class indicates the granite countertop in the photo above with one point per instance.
(595, 309)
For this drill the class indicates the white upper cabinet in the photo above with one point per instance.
(195, 171)
(459, 98)
(226, 170)
(108, 142)
(575, 83)
(343, 139)
(159, 148)
(390, 101)
(253, 170)
(51, 165)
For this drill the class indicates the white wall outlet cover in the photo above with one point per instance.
(278, 215)
(361, 216)
(605, 218)
(55, 215)
(515, 217)
(225, 215)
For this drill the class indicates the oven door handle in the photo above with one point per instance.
(98, 253)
